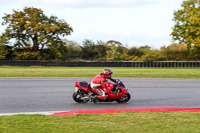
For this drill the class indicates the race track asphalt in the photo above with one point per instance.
(55, 94)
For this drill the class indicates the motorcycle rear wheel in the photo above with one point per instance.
(127, 97)
(77, 98)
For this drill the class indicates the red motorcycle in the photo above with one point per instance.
(83, 92)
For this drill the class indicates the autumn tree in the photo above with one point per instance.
(174, 52)
(2, 47)
(31, 28)
(115, 51)
(187, 24)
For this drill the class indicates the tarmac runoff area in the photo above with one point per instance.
(53, 96)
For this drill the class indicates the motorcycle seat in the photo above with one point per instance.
(84, 84)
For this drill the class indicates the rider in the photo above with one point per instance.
(98, 83)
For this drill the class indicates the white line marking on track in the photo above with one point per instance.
(31, 113)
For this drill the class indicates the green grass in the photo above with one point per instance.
(145, 122)
(121, 72)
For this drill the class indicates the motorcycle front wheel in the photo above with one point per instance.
(127, 97)
(77, 97)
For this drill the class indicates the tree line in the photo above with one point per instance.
(31, 35)
(101, 51)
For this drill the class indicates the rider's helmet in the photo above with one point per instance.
(107, 73)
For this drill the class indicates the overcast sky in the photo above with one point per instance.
(132, 22)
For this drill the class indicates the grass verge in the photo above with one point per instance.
(121, 72)
(148, 122)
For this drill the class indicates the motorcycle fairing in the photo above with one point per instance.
(83, 85)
